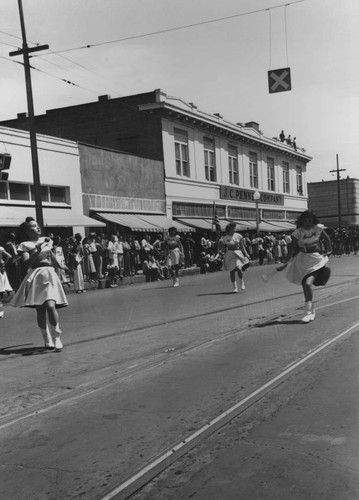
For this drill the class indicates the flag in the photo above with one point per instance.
(217, 223)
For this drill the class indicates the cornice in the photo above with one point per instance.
(216, 125)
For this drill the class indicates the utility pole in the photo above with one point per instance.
(338, 170)
(30, 104)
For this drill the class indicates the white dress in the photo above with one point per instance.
(4, 281)
(306, 262)
(172, 244)
(41, 282)
(234, 258)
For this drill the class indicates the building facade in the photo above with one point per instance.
(210, 165)
(61, 187)
(331, 209)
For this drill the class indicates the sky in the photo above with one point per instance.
(222, 66)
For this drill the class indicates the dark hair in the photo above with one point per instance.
(230, 225)
(305, 215)
(21, 232)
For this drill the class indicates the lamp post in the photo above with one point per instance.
(256, 198)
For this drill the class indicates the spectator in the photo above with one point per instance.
(282, 136)
(60, 257)
(13, 266)
(75, 259)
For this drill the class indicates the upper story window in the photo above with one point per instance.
(253, 170)
(299, 176)
(20, 191)
(181, 153)
(286, 186)
(209, 160)
(270, 174)
(233, 165)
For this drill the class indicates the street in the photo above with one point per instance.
(146, 366)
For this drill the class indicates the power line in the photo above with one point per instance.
(178, 28)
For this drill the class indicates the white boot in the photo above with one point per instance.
(49, 344)
(55, 333)
(175, 282)
(235, 288)
(242, 284)
(309, 312)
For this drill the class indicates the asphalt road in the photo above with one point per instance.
(146, 366)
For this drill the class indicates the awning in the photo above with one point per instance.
(279, 226)
(245, 225)
(131, 221)
(53, 217)
(143, 222)
(205, 224)
(164, 223)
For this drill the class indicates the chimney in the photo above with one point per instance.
(104, 98)
(21, 116)
(253, 125)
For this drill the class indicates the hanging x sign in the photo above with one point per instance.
(279, 80)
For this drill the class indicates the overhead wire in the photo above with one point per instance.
(168, 30)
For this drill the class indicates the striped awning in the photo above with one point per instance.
(143, 222)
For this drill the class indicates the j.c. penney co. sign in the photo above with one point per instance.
(231, 193)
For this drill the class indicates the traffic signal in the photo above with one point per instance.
(5, 160)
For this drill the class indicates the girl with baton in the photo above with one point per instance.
(309, 252)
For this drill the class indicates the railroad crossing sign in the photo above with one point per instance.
(279, 80)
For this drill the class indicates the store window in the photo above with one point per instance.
(253, 170)
(233, 165)
(209, 160)
(181, 153)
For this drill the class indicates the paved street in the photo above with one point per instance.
(145, 366)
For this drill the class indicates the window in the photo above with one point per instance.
(3, 191)
(253, 170)
(209, 160)
(270, 174)
(44, 193)
(19, 191)
(233, 165)
(181, 153)
(57, 194)
(299, 175)
(197, 210)
(26, 192)
(286, 186)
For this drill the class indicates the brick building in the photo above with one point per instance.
(323, 200)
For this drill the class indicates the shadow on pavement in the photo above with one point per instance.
(21, 349)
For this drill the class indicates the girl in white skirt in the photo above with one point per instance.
(236, 259)
(309, 251)
(41, 288)
(173, 253)
(4, 281)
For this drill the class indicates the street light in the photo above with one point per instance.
(256, 198)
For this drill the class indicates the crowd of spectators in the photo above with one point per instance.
(115, 256)
(103, 256)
